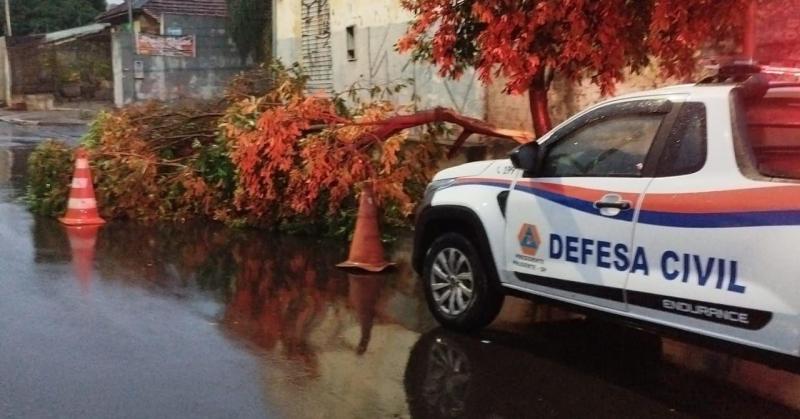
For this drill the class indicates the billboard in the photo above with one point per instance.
(171, 46)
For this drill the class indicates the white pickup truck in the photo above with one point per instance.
(678, 207)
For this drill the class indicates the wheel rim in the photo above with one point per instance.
(452, 282)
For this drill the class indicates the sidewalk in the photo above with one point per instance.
(67, 114)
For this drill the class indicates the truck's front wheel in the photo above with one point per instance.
(458, 290)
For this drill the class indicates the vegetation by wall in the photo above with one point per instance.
(268, 156)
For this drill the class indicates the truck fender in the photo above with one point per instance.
(434, 221)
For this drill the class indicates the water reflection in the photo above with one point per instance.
(566, 369)
(323, 335)
(176, 259)
(13, 164)
(50, 241)
(82, 241)
(331, 344)
(278, 294)
(6, 164)
(363, 295)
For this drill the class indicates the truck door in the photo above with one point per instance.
(570, 225)
(720, 244)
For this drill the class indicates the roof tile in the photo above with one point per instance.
(155, 8)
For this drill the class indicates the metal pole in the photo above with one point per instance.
(130, 14)
(8, 17)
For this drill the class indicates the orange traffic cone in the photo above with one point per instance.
(366, 250)
(82, 206)
(82, 241)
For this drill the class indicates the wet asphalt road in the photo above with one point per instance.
(201, 321)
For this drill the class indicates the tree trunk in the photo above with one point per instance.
(392, 125)
(749, 36)
(537, 98)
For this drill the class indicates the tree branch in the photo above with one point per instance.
(393, 125)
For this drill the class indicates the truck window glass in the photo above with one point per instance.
(685, 150)
(773, 133)
(616, 146)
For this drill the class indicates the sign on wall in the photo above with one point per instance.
(171, 46)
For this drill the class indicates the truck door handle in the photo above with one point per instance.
(612, 204)
(619, 205)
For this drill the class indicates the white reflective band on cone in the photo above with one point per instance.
(81, 203)
(82, 164)
(79, 182)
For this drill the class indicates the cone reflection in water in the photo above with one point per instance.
(366, 250)
(363, 293)
(82, 205)
(82, 240)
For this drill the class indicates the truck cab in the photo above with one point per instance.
(677, 207)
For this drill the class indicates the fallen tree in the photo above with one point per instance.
(275, 158)
(395, 124)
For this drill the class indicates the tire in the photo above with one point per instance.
(471, 304)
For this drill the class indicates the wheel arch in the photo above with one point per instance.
(433, 221)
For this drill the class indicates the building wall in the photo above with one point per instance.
(565, 98)
(168, 78)
(377, 25)
(288, 30)
(30, 69)
(76, 68)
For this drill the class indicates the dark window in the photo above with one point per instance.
(685, 149)
(351, 43)
(613, 146)
(771, 133)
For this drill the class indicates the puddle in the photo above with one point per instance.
(188, 320)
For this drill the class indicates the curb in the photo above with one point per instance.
(28, 122)
(18, 121)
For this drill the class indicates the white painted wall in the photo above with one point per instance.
(378, 26)
(287, 30)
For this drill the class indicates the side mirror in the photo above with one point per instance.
(526, 157)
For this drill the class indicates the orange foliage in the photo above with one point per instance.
(266, 155)
(296, 157)
(526, 42)
(279, 159)
(595, 39)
